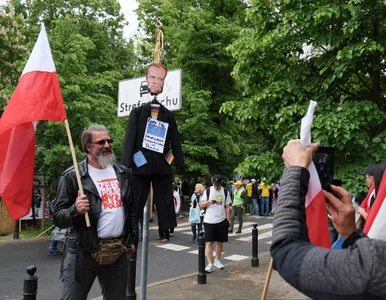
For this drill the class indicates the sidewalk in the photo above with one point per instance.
(237, 281)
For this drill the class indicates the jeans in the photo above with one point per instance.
(265, 206)
(255, 209)
(194, 227)
(53, 247)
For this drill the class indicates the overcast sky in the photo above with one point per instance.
(127, 7)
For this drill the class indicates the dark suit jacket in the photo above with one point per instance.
(156, 162)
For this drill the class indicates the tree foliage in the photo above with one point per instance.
(328, 51)
(12, 50)
(91, 56)
(197, 34)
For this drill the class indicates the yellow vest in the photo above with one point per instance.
(238, 200)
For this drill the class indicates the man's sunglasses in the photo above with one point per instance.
(103, 142)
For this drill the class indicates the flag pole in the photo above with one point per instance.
(267, 279)
(76, 167)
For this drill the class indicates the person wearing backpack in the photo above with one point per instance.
(217, 202)
(195, 212)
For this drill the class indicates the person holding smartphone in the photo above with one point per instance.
(216, 221)
(355, 272)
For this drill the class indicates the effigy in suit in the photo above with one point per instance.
(149, 147)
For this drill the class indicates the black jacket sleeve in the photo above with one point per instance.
(64, 211)
(132, 221)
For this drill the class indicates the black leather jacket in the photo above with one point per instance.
(65, 214)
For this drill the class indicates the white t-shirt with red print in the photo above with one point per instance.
(111, 219)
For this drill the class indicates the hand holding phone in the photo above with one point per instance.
(323, 159)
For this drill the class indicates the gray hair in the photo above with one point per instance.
(87, 135)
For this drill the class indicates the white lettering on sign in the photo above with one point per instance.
(133, 93)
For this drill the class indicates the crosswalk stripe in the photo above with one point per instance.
(245, 231)
(236, 257)
(245, 236)
(173, 247)
(196, 252)
(181, 225)
(259, 237)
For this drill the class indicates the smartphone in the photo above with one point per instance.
(323, 159)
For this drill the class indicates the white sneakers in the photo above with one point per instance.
(209, 268)
(218, 264)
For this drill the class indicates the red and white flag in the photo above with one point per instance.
(366, 202)
(375, 226)
(36, 97)
(316, 213)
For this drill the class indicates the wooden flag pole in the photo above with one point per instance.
(76, 167)
(45, 231)
(267, 279)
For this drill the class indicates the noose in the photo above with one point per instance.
(159, 41)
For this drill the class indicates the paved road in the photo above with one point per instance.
(174, 259)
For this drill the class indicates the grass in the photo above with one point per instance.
(34, 232)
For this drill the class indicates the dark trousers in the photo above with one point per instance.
(112, 278)
(196, 229)
(162, 196)
(164, 233)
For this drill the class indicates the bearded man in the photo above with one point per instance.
(99, 250)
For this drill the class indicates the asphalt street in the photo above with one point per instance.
(165, 260)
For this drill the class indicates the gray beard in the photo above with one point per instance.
(106, 160)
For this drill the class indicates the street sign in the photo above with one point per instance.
(133, 93)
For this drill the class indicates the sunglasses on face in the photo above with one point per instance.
(103, 142)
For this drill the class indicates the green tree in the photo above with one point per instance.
(328, 51)
(197, 34)
(91, 56)
(12, 50)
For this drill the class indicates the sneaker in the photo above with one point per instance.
(181, 217)
(247, 214)
(209, 268)
(238, 231)
(230, 231)
(218, 264)
(164, 240)
(171, 234)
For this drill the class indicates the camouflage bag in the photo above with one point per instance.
(109, 251)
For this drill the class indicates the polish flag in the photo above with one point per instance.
(316, 212)
(366, 202)
(375, 226)
(36, 97)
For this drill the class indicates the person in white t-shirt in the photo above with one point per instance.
(216, 221)
(108, 200)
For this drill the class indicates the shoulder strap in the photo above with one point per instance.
(226, 194)
(207, 193)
